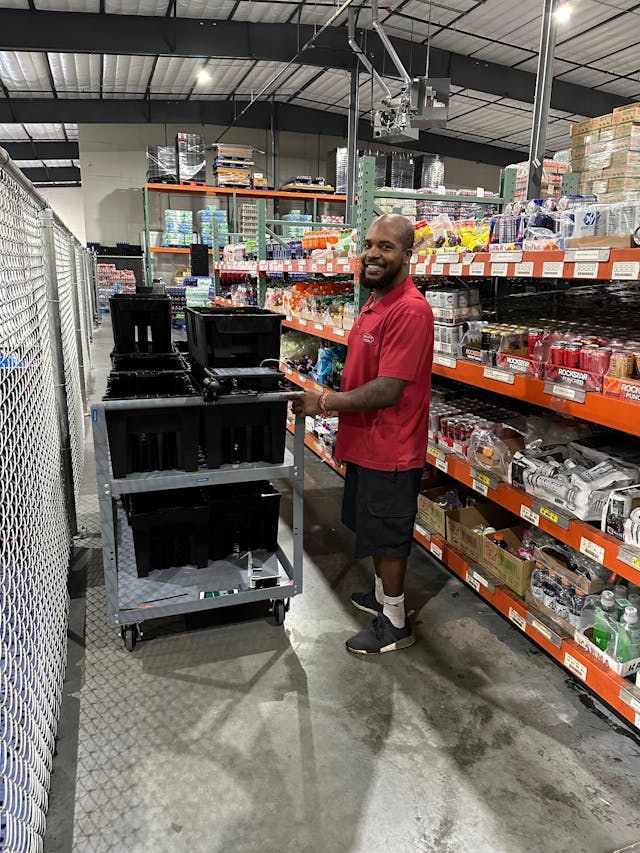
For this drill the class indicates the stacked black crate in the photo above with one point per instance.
(229, 350)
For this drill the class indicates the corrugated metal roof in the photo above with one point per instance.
(275, 12)
(458, 42)
(502, 53)
(13, 133)
(497, 20)
(25, 74)
(627, 88)
(136, 7)
(596, 46)
(15, 4)
(68, 5)
(45, 132)
(126, 76)
(585, 77)
(174, 75)
(75, 75)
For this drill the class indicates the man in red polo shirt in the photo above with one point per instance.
(383, 408)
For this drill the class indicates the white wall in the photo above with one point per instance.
(68, 203)
(113, 164)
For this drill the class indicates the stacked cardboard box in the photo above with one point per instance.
(605, 152)
(233, 165)
(552, 174)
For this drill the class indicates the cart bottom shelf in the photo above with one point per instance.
(187, 589)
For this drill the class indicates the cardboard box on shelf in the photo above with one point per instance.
(548, 617)
(460, 524)
(584, 639)
(630, 112)
(625, 242)
(552, 558)
(505, 564)
(627, 389)
(430, 513)
(581, 127)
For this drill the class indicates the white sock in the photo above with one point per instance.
(393, 609)
(379, 590)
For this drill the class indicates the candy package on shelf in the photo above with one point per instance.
(492, 447)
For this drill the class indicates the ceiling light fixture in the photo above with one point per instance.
(203, 76)
(563, 13)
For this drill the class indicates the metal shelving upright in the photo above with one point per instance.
(169, 592)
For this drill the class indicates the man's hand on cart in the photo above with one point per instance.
(307, 404)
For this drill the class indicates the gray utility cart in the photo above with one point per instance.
(240, 578)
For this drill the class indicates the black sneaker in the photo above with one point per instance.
(381, 636)
(367, 602)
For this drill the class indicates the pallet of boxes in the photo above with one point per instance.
(233, 166)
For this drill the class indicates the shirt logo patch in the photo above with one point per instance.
(368, 339)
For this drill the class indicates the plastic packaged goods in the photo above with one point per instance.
(337, 167)
(178, 228)
(162, 164)
(428, 171)
(492, 446)
(190, 158)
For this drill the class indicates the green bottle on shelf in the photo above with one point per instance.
(605, 613)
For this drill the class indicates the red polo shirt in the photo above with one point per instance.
(392, 337)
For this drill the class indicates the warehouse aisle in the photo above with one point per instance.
(223, 733)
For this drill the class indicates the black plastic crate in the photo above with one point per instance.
(170, 529)
(243, 517)
(158, 439)
(232, 337)
(144, 384)
(246, 432)
(158, 361)
(141, 322)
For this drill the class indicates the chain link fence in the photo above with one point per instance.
(43, 344)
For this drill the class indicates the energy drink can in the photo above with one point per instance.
(556, 353)
(572, 355)
(569, 202)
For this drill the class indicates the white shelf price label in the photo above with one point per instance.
(445, 360)
(414, 259)
(578, 255)
(553, 269)
(338, 332)
(529, 515)
(314, 267)
(302, 322)
(517, 619)
(625, 269)
(435, 550)
(442, 465)
(319, 327)
(457, 448)
(592, 550)
(582, 270)
(421, 269)
(289, 371)
(437, 269)
(422, 532)
(473, 581)
(524, 269)
(455, 269)
(499, 270)
(567, 392)
(497, 375)
(329, 267)
(480, 487)
(541, 629)
(575, 666)
(636, 721)
(476, 268)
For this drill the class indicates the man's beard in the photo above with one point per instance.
(380, 283)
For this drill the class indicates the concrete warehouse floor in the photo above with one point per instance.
(227, 733)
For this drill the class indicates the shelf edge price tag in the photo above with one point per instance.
(442, 465)
(517, 619)
(482, 478)
(499, 270)
(549, 514)
(455, 269)
(437, 269)
(302, 322)
(457, 448)
(625, 269)
(421, 269)
(318, 326)
(525, 269)
(553, 269)
(435, 550)
(499, 375)
(434, 451)
(338, 332)
(592, 550)
(477, 268)
(582, 270)
(480, 487)
(472, 580)
(529, 515)
(445, 360)
(423, 532)
(575, 666)
(541, 629)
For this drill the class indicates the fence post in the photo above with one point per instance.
(76, 319)
(57, 363)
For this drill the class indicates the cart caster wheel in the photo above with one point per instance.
(279, 611)
(287, 605)
(130, 637)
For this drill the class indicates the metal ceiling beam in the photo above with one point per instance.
(42, 150)
(76, 32)
(289, 117)
(61, 174)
